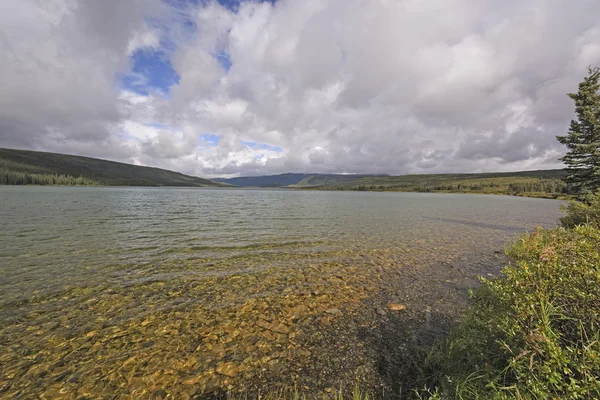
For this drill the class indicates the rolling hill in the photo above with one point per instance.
(40, 167)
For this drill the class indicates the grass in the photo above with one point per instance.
(356, 394)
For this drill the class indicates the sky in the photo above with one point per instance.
(235, 88)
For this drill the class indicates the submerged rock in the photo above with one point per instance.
(229, 369)
(396, 307)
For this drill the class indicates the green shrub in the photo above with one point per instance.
(533, 333)
(586, 211)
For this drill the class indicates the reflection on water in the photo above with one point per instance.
(108, 292)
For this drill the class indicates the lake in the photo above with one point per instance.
(151, 292)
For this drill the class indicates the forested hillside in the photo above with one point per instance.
(22, 167)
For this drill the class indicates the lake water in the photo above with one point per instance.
(157, 292)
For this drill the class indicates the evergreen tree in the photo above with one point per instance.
(8, 177)
(583, 139)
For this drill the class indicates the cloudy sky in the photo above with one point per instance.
(225, 88)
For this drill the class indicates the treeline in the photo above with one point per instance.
(23, 178)
(543, 186)
(461, 187)
(547, 186)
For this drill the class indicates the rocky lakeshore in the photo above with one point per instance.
(311, 321)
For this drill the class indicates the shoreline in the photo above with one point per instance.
(530, 196)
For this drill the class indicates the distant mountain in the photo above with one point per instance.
(325, 180)
(290, 179)
(41, 167)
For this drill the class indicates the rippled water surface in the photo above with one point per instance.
(179, 293)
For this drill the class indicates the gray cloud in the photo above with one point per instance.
(58, 72)
(339, 85)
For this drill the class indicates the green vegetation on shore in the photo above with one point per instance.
(22, 167)
(583, 212)
(543, 183)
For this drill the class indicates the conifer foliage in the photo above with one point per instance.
(583, 139)
(24, 178)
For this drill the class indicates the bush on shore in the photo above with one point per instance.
(533, 333)
(586, 211)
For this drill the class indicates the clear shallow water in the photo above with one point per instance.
(232, 288)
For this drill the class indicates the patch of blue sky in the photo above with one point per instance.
(261, 146)
(209, 139)
(151, 71)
